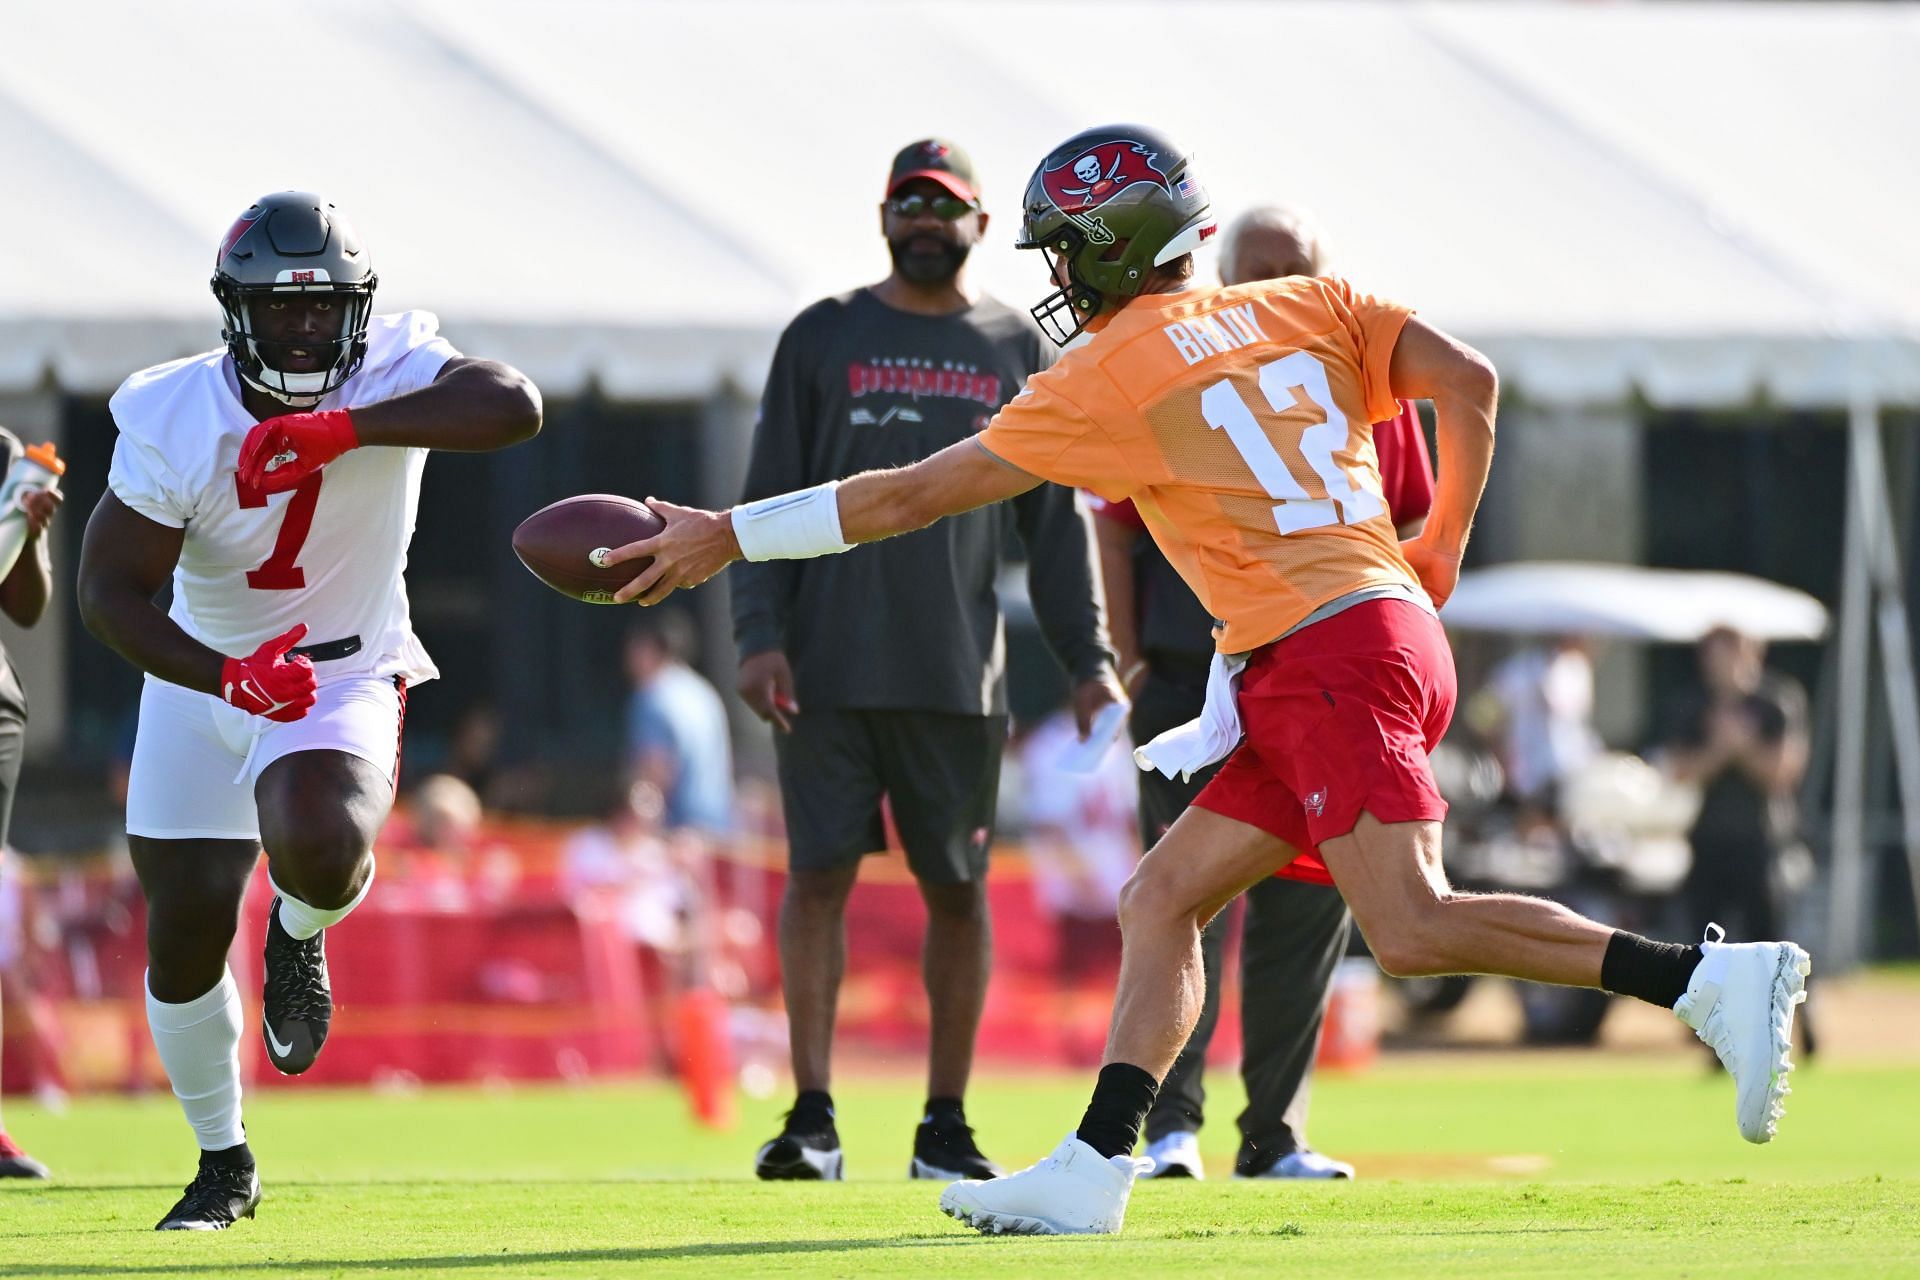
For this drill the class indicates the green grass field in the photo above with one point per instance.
(1471, 1165)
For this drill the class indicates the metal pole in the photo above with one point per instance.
(1847, 901)
(1896, 640)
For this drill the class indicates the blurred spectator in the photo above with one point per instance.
(654, 883)
(440, 861)
(627, 856)
(474, 756)
(473, 749)
(1538, 710)
(1082, 844)
(36, 1028)
(677, 737)
(1741, 736)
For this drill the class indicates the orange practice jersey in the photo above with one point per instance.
(1238, 420)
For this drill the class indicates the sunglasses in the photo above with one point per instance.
(945, 208)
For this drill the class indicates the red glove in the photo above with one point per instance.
(281, 452)
(268, 683)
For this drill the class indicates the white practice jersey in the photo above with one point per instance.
(331, 553)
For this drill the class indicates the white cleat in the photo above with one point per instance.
(1740, 1001)
(1304, 1164)
(1074, 1191)
(1177, 1155)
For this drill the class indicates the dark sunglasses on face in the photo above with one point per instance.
(945, 208)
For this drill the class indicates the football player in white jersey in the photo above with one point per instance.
(275, 482)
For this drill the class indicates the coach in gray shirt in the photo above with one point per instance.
(883, 670)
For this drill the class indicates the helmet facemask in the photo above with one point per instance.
(1064, 314)
(253, 356)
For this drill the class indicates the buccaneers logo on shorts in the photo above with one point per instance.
(1082, 184)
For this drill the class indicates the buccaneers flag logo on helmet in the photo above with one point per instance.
(241, 226)
(1100, 173)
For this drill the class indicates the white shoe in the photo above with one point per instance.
(1177, 1155)
(1303, 1164)
(1074, 1191)
(1740, 1001)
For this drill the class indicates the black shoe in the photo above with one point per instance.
(297, 1004)
(807, 1150)
(22, 1165)
(944, 1151)
(219, 1196)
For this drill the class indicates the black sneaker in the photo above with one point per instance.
(15, 1163)
(944, 1151)
(219, 1196)
(22, 1166)
(807, 1150)
(297, 1004)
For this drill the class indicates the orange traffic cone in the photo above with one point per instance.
(706, 1057)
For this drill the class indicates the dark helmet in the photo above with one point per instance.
(293, 242)
(1118, 183)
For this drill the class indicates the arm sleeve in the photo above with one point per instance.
(1045, 434)
(1405, 473)
(1373, 325)
(1062, 579)
(140, 477)
(763, 591)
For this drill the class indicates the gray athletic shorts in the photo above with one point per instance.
(939, 772)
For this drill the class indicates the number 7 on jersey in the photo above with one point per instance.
(279, 572)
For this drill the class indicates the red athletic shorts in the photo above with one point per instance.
(1339, 718)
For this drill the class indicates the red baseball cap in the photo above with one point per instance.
(938, 160)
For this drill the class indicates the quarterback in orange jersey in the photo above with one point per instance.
(1236, 420)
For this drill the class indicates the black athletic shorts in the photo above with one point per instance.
(940, 773)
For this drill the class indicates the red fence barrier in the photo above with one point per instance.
(522, 982)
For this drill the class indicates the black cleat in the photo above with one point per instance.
(297, 1004)
(15, 1163)
(807, 1150)
(219, 1196)
(944, 1151)
(22, 1166)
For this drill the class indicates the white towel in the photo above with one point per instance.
(1193, 746)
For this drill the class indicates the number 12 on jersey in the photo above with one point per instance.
(1297, 510)
(278, 572)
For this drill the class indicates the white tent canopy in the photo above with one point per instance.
(1700, 202)
(1676, 606)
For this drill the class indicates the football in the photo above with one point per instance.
(560, 543)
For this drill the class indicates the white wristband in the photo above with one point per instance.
(791, 526)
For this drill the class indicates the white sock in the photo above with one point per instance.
(199, 1044)
(302, 921)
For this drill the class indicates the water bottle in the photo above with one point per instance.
(37, 468)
